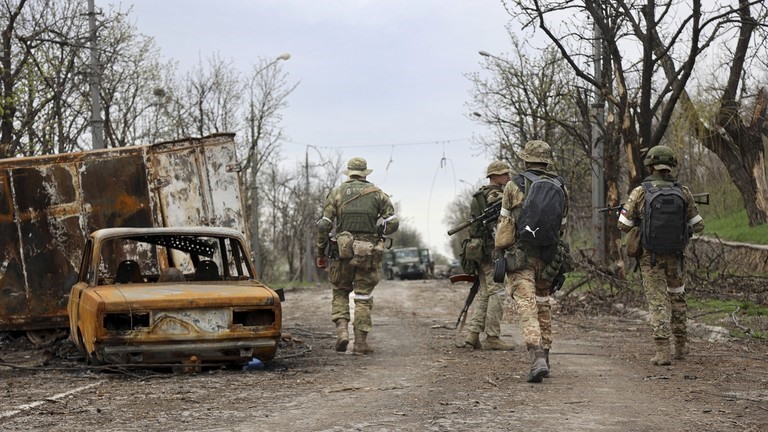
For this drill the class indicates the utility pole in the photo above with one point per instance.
(308, 261)
(97, 124)
(254, 165)
(598, 157)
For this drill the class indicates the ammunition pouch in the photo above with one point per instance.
(469, 266)
(366, 254)
(474, 249)
(515, 259)
(344, 241)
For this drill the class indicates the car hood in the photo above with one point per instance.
(182, 295)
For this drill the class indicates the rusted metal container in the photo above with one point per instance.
(50, 204)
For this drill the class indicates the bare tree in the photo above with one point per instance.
(208, 99)
(131, 73)
(652, 48)
(44, 77)
(40, 65)
(531, 96)
(458, 211)
(735, 129)
(268, 89)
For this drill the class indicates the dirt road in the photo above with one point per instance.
(417, 380)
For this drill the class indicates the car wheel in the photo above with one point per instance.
(44, 338)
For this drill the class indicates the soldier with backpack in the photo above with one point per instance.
(666, 215)
(532, 222)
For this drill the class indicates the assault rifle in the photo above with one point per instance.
(489, 215)
(698, 198)
(470, 297)
(332, 248)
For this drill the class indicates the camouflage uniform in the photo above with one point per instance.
(526, 284)
(359, 207)
(663, 281)
(489, 301)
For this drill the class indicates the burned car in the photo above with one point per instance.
(171, 295)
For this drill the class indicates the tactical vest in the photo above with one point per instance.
(479, 203)
(357, 209)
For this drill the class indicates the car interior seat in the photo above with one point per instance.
(128, 271)
(207, 270)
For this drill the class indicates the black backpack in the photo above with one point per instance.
(664, 226)
(541, 215)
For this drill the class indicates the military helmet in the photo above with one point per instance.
(537, 151)
(660, 157)
(357, 166)
(497, 167)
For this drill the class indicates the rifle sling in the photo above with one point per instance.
(364, 192)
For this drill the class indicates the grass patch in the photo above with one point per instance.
(751, 317)
(735, 227)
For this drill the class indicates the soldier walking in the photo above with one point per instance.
(532, 222)
(665, 226)
(489, 309)
(359, 214)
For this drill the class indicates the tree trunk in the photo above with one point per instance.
(741, 149)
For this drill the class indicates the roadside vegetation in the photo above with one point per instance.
(734, 226)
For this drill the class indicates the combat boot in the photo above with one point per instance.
(681, 349)
(472, 341)
(497, 344)
(361, 344)
(662, 353)
(539, 367)
(546, 358)
(342, 335)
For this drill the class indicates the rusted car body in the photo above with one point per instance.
(50, 204)
(171, 295)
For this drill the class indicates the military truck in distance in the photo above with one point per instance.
(407, 263)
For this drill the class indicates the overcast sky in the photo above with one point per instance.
(379, 79)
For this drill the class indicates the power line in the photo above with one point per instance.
(406, 144)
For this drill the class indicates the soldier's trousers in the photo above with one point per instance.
(488, 303)
(531, 294)
(665, 291)
(347, 279)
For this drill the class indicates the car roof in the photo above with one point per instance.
(107, 233)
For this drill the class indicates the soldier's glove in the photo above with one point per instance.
(322, 262)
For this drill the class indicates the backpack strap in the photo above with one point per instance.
(530, 176)
(519, 181)
(534, 177)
